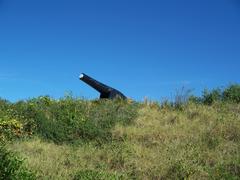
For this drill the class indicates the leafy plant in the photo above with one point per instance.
(232, 93)
(69, 119)
(229, 94)
(212, 96)
(10, 128)
(12, 167)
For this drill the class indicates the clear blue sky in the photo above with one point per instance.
(141, 47)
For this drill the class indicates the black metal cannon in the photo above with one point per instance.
(105, 91)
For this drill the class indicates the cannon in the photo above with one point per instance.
(105, 91)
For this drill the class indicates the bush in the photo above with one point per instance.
(4, 105)
(104, 115)
(209, 97)
(69, 120)
(195, 99)
(232, 94)
(10, 128)
(12, 167)
(229, 94)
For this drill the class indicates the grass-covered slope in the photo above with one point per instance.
(73, 138)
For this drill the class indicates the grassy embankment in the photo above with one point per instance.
(78, 139)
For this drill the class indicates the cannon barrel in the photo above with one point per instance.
(104, 90)
(100, 87)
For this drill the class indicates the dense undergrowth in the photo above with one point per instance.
(12, 167)
(71, 138)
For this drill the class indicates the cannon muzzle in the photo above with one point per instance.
(104, 90)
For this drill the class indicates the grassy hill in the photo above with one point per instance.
(73, 138)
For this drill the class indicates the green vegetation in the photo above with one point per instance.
(71, 138)
(230, 94)
(12, 167)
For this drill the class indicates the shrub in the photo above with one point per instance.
(195, 99)
(209, 97)
(10, 128)
(4, 105)
(12, 167)
(229, 94)
(69, 120)
(105, 114)
(232, 93)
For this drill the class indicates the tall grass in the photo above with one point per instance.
(71, 138)
(197, 142)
